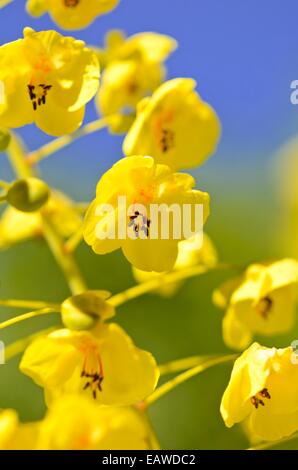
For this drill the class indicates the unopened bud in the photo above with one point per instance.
(28, 195)
(83, 311)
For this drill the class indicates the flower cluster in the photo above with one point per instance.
(97, 383)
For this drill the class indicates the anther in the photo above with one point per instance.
(71, 3)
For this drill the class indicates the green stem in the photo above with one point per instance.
(154, 443)
(26, 316)
(73, 242)
(269, 445)
(181, 378)
(61, 142)
(173, 276)
(33, 304)
(64, 258)
(183, 364)
(4, 3)
(16, 155)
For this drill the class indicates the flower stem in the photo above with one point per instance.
(4, 184)
(65, 260)
(4, 3)
(15, 152)
(58, 144)
(154, 443)
(34, 304)
(181, 378)
(268, 445)
(173, 276)
(26, 316)
(73, 242)
(183, 364)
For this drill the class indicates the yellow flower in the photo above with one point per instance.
(125, 83)
(103, 363)
(48, 79)
(262, 302)
(14, 435)
(16, 226)
(133, 69)
(77, 423)
(149, 185)
(71, 14)
(144, 47)
(264, 389)
(191, 252)
(174, 126)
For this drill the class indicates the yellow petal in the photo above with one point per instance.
(176, 127)
(86, 426)
(235, 333)
(248, 377)
(57, 121)
(271, 427)
(50, 360)
(130, 374)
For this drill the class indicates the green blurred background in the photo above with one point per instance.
(246, 76)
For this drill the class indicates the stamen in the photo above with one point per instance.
(93, 371)
(38, 94)
(139, 222)
(167, 140)
(264, 306)
(71, 3)
(256, 400)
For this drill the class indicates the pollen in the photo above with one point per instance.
(167, 140)
(264, 306)
(71, 3)
(257, 399)
(38, 94)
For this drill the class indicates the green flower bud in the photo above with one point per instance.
(4, 139)
(28, 195)
(83, 311)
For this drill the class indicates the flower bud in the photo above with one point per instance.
(36, 7)
(28, 195)
(4, 139)
(83, 311)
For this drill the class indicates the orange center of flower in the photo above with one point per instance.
(71, 3)
(264, 306)
(92, 371)
(257, 399)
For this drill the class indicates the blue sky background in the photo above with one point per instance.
(243, 55)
